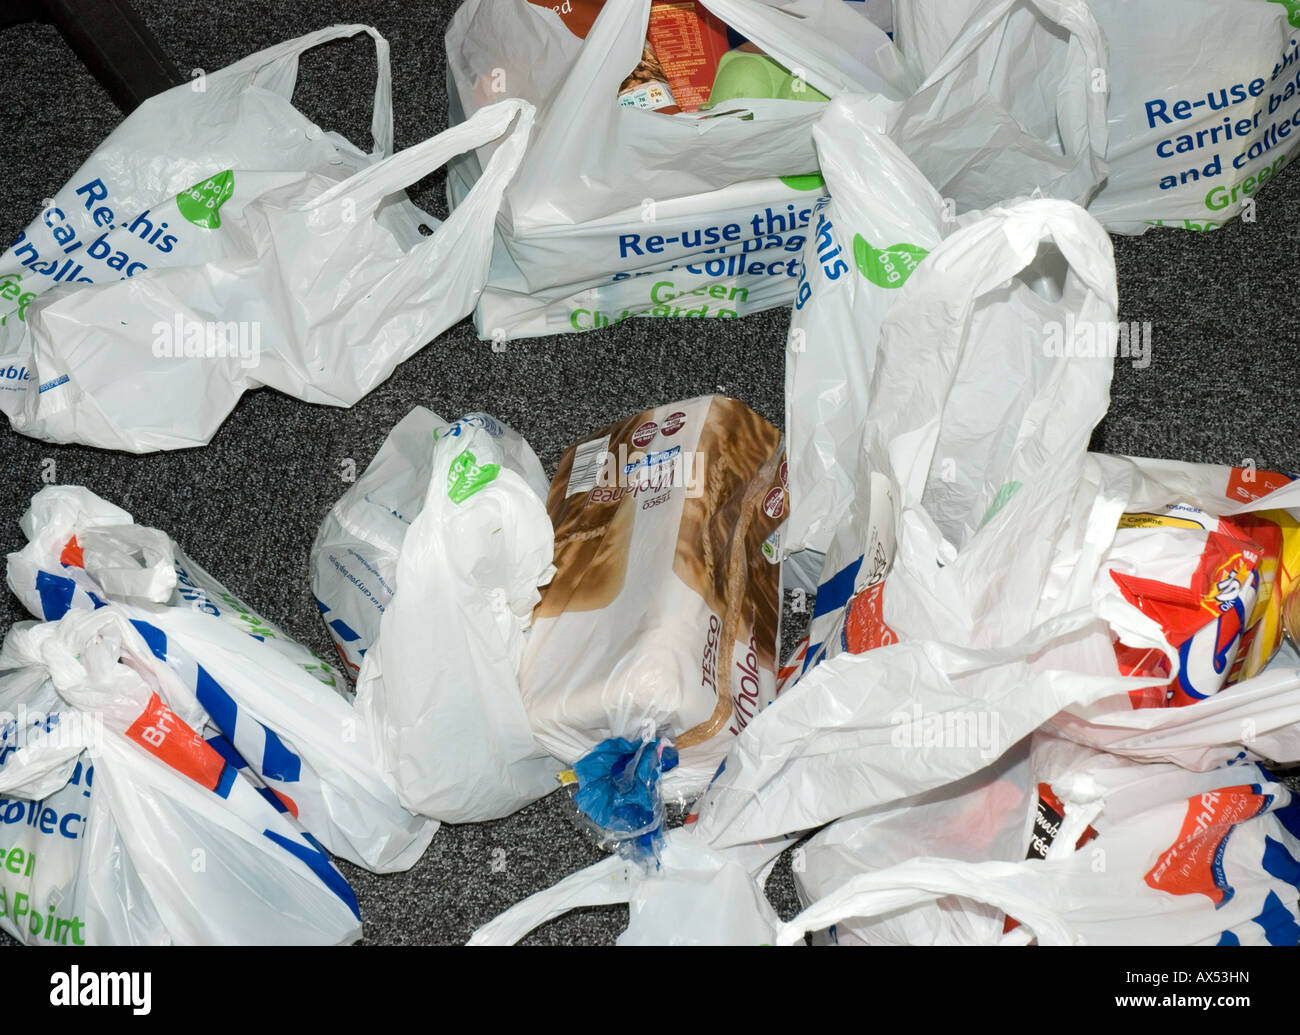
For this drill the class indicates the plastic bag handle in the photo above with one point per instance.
(1072, 15)
(977, 267)
(607, 883)
(276, 69)
(781, 35)
(925, 880)
(367, 188)
(108, 553)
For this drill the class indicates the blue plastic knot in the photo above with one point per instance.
(618, 789)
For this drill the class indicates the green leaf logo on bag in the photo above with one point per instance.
(808, 181)
(201, 204)
(886, 267)
(1000, 500)
(1292, 11)
(467, 476)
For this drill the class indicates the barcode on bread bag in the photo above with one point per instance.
(588, 459)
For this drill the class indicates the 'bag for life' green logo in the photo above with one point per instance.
(467, 476)
(201, 204)
(886, 267)
(1292, 11)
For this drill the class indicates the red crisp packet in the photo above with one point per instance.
(1198, 578)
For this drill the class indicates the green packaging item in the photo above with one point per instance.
(745, 74)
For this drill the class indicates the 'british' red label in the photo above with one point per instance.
(163, 733)
(1193, 864)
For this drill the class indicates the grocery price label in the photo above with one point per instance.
(650, 97)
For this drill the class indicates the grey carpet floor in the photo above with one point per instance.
(1222, 387)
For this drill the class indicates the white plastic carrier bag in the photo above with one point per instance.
(867, 263)
(1192, 140)
(1146, 596)
(620, 212)
(882, 219)
(266, 702)
(827, 746)
(697, 896)
(1114, 852)
(920, 744)
(881, 222)
(1010, 105)
(219, 241)
(354, 556)
(960, 582)
(980, 818)
(121, 825)
(926, 677)
(1061, 844)
(438, 688)
(1195, 129)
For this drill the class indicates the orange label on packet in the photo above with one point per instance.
(1247, 484)
(689, 42)
(864, 625)
(163, 733)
